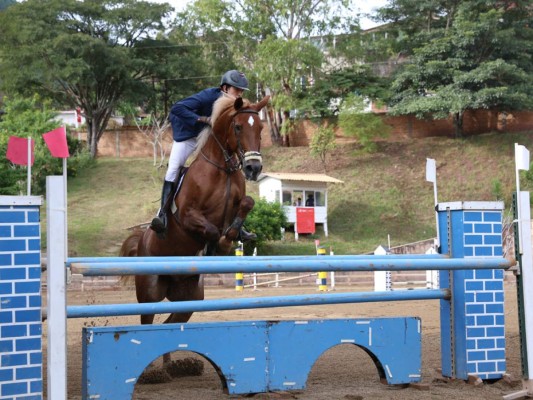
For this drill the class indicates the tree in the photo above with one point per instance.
(82, 54)
(278, 41)
(322, 142)
(480, 58)
(365, 126)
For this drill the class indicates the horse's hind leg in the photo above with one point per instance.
(183, 289)
(150, 289)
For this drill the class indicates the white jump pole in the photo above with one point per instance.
(57, 307)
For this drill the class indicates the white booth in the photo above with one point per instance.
(303, 196)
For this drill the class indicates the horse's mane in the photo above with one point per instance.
(221, 105)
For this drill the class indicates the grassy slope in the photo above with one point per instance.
(384, 193)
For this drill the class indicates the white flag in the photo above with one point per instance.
(431, 170)
(521, 155)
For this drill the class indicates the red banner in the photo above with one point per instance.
(17, 150)
(56, 141)
(305, 220)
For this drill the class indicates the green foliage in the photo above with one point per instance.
(497, 189)
(31, 118)
(81, 54)
(365, 126)
(266, 220)
(476, 57)
(322, 142)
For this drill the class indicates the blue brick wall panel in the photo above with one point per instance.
(482, 228)
(472, 286)
(34, 244)
(492, 239)
(487, 320)
(11, 274)
(497, 228)
(484, 274)
(12, 217)
(492, 216)
(477, 355)
(472, 216)
(6, 259)
(29, 344)
(28, 315)
(6, 375)
(6, 346)
(27, 231)
(36, 358)
(11, 302)
(35, 329)
(475, 332)
(468, 228)
(6, 288)
(14, 360)
(475, 309)
(20, 302)
(469, 252)
(35, 301)
(486, 367)
(13, 389)
(486, 343)
(496, 285)
(485, 297)
(28, 373)
(27, 287)
(483, 251)
(11, 245)
(6, 317)
(28, 258)
(473, 239)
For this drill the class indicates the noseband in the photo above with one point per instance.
(243, 157)
(249, 155)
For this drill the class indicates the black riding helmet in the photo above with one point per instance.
(234, 78)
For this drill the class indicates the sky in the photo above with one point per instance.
(364, 6)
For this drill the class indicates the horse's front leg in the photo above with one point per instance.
(196, 224)
(232, 232)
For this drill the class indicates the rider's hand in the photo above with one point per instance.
(205, 120)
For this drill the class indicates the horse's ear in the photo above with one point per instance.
(238, 103)
(261, 104)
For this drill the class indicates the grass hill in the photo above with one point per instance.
(384, 193)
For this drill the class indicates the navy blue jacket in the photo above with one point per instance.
(184, 114)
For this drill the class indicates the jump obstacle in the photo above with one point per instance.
(471, 295)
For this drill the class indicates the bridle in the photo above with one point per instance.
(243, 157)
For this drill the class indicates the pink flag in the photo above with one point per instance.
(17, 150)
(56, 141)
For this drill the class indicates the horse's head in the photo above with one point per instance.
(243, 135)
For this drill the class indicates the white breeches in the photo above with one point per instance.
(178, 157)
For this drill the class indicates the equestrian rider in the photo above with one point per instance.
(188, 118)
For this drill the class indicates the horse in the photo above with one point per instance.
(208, 213)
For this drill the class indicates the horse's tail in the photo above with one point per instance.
(130, 249)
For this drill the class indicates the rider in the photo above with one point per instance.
(188, 118)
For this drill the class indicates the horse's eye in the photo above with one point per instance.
(238, 128)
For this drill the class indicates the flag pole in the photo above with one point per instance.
(29, 167)
(431, 176)
(66, 197)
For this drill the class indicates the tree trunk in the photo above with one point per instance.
(458, 124)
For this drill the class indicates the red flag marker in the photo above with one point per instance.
(56, 141)
(17, 150)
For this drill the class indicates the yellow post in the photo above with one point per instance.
(239, 276)
(322, 276)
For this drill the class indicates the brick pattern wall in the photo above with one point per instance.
(484, 296)
(127, 141)
(20, 303)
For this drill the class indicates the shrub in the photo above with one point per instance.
(266, 220)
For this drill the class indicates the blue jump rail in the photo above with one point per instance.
(251, 303)
(248, 264)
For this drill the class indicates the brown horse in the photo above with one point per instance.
(210, 209)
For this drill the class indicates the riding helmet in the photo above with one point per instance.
(235, 78)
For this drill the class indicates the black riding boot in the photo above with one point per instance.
(159, 223)
(246, 236)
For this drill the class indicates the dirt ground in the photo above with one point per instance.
(343, 372)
